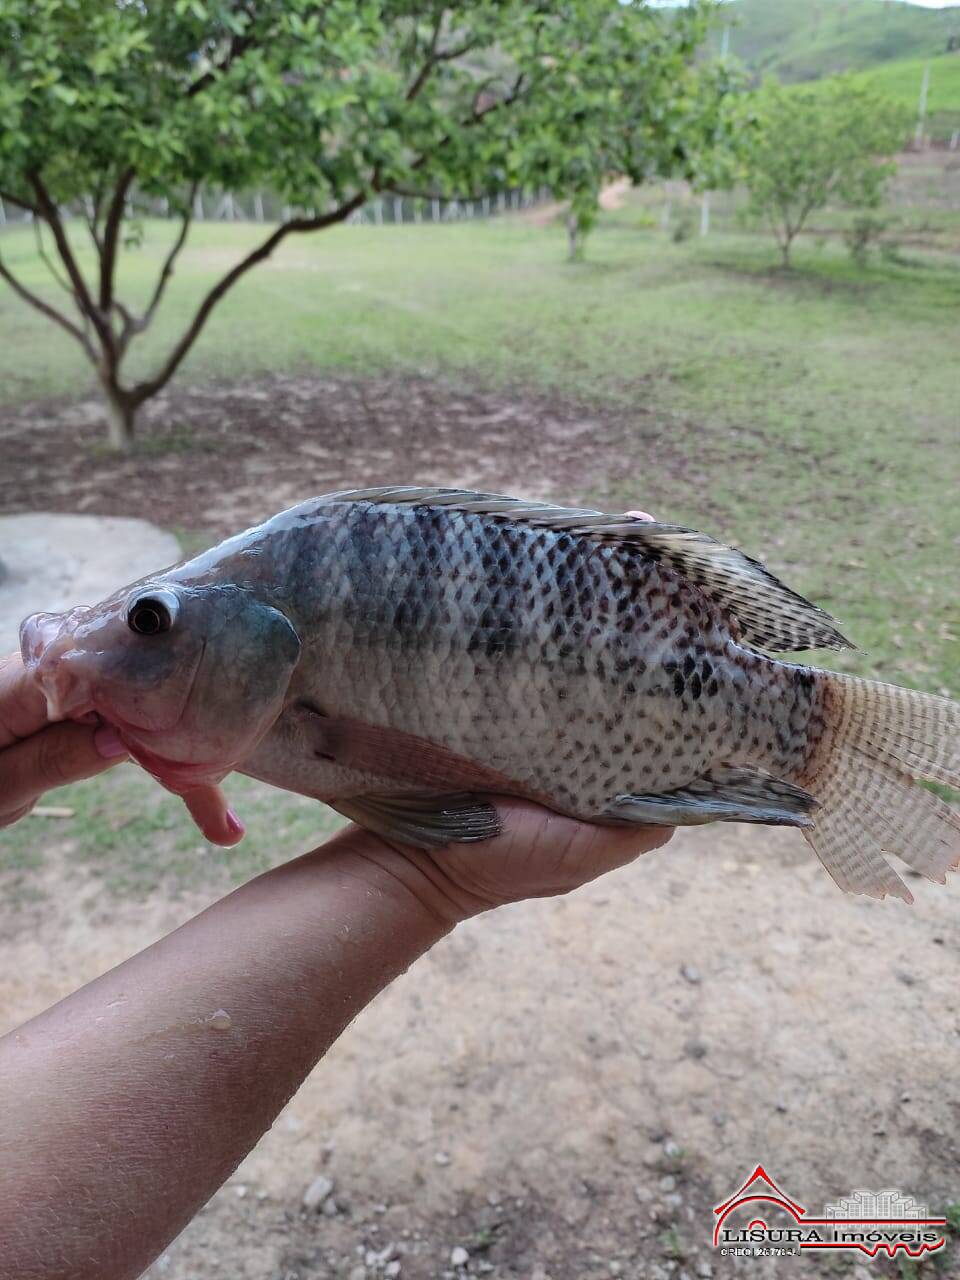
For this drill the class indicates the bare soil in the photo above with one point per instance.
(564, 1088)
(214, 459)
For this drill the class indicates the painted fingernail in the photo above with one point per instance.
(108, 743)
(234, 824)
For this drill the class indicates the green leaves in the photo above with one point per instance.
(320, 102)
(811, 146)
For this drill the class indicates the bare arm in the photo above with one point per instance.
(126, 1105)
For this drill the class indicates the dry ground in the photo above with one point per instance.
(563, 1089)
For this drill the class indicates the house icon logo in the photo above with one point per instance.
(762, 1220)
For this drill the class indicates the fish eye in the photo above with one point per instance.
(151, 615)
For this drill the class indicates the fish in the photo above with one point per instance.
(407, 654)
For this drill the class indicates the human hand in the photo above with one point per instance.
(539, 854)
(36, 754)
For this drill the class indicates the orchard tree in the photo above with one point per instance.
(107, 105)
(828, 144)
(666, 116)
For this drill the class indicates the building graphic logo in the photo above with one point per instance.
(762, 1220)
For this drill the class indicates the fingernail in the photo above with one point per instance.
(108, 743)
(234, 824)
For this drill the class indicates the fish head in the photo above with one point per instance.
(190, 674)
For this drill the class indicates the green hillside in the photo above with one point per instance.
(901, 80)
(807, 39)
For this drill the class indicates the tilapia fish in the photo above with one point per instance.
(402, 653)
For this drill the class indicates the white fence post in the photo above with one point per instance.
(258, 207)
(922, 107)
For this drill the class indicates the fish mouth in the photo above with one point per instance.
(176, 775)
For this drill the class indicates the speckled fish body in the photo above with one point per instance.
(396, 652)
(576, 671)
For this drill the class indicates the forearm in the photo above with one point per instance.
(124, 1107)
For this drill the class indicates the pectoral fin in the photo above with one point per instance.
(728, 793)
(426, 822)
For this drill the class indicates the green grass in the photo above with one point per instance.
(901, 81)
(133, 838)
(810, 417)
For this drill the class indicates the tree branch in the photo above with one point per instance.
(111, 233)
(42, 253)
(19, 202)
(48, 210)
(171, 259)
(45, 309)
(143, 390)
(430, 61)
(238, 46)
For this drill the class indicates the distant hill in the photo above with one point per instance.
(888, 41)
(809, 39)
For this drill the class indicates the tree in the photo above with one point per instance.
(107, 105)
(813, 146)
(667, 116)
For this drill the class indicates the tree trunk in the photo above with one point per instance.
(573, 237)
(785, 251)
(120, 414)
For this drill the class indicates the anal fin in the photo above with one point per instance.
(728, 793)
(426, 822)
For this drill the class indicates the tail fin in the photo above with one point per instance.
(879, 739)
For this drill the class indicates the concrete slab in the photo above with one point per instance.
(50, 562)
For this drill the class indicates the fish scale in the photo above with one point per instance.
(402, 653)
(519, 622)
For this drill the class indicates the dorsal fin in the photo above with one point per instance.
(769, 615)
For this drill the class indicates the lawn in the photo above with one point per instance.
(810, 417)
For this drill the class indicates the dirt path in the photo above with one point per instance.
(565, 1088)
(571, 1085)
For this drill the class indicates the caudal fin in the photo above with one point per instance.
(879, 740)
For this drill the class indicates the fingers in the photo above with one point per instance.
(23, 708)
(53, 757)
(209, 810)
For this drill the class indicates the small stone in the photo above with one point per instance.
(674, 1200)
(691, 973)
(392, 1268)
(240, 1191)
(904, 1097)
(668, 1183)
(670, 1149)
(358, 1273)
(485, 1268)
(780, 1106)
(704, 1270)
(459, 1257)
(317, 1192)
(719, 1119)
(441, 1158)
(615, 1267)
(695, 1049)
(492, 1199)
(330, 1208)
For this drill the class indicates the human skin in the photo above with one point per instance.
(125, 1106)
